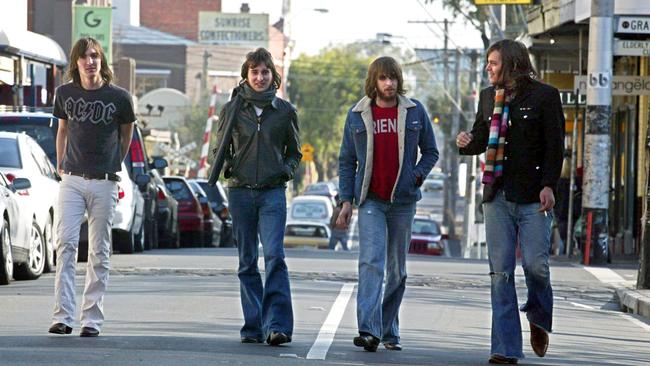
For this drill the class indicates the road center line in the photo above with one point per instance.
(327, 332)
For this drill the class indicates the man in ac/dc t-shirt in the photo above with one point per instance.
(379, 171)
(95, 127)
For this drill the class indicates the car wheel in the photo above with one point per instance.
(36, 258)
(154, 236)
(48, 238)
(149, 234)
(176, 239)
(225, 241)
(124, 241)
(6, 259)
(139, 239)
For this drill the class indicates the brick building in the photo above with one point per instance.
(171, 17)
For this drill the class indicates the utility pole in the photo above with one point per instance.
(595, 200)
(469, 221)
(448, 215)
(204, 77)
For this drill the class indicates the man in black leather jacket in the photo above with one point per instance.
(521, 123)
(258, 140)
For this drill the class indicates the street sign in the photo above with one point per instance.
(234, 28)
(621, 85)
(503, 2)
(307, 151)
(628, 47)
(633, 25)
(95, 22)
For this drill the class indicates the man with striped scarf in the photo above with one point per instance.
(520, 127)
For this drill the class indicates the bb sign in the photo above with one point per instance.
(633, 25)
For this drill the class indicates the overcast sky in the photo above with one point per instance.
(351, 20)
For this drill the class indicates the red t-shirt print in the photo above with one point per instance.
(385, 157)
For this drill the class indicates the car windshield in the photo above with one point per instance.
(309, 210)
(318, 188)
(179, 190)
(42, 133)
(9, 156)
(425, 227)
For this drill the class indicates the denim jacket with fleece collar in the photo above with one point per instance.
(355, 158)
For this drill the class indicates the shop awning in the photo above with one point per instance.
(32, 45)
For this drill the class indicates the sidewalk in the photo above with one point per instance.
(634, 301)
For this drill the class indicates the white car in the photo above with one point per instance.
(22, 157)
(311, 208)
(299, 234)
(128, 222)
(15, 226)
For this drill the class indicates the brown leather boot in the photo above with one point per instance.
(538, 340)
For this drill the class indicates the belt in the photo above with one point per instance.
(105, 176)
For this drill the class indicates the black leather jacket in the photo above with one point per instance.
(534, 143)
(265, 150)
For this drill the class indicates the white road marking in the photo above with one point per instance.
(606, 275)
(634, 319)
(581, 305)
(327, 332)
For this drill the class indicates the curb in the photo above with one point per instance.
(632, 301)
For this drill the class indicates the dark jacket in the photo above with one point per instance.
(264, 152)
(534, 143)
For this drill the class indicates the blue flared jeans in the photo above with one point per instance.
(260, 214)
(508, 224)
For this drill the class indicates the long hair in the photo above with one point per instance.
(254, 59)
(515, 63)
(79, 50)
(384, 65)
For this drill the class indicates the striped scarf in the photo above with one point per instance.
(497, 138)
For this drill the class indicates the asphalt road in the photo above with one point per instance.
(181, 307)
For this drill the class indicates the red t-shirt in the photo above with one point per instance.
(385, 158)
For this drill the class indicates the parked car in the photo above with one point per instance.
(211, 223)
(311, 208)
(219, 203)
(137, 162)
(42, 126)
(426, 237)
(169, 234)
(306, 234)
(190, 213)
(15, 230)
(326, 189)
(22, 157)
(430, 185)
(128, 222)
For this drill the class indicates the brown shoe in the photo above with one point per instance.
(538, 340)
(502, 360)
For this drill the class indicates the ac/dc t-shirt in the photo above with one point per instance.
(385, 155)
(94, 118)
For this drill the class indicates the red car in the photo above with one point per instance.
(190, 213)
(426, 237)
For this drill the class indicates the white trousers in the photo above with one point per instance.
(76, 196)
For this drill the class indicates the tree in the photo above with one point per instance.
(323, 88)
(477, 16)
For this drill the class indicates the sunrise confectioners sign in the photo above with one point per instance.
(234, 28)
